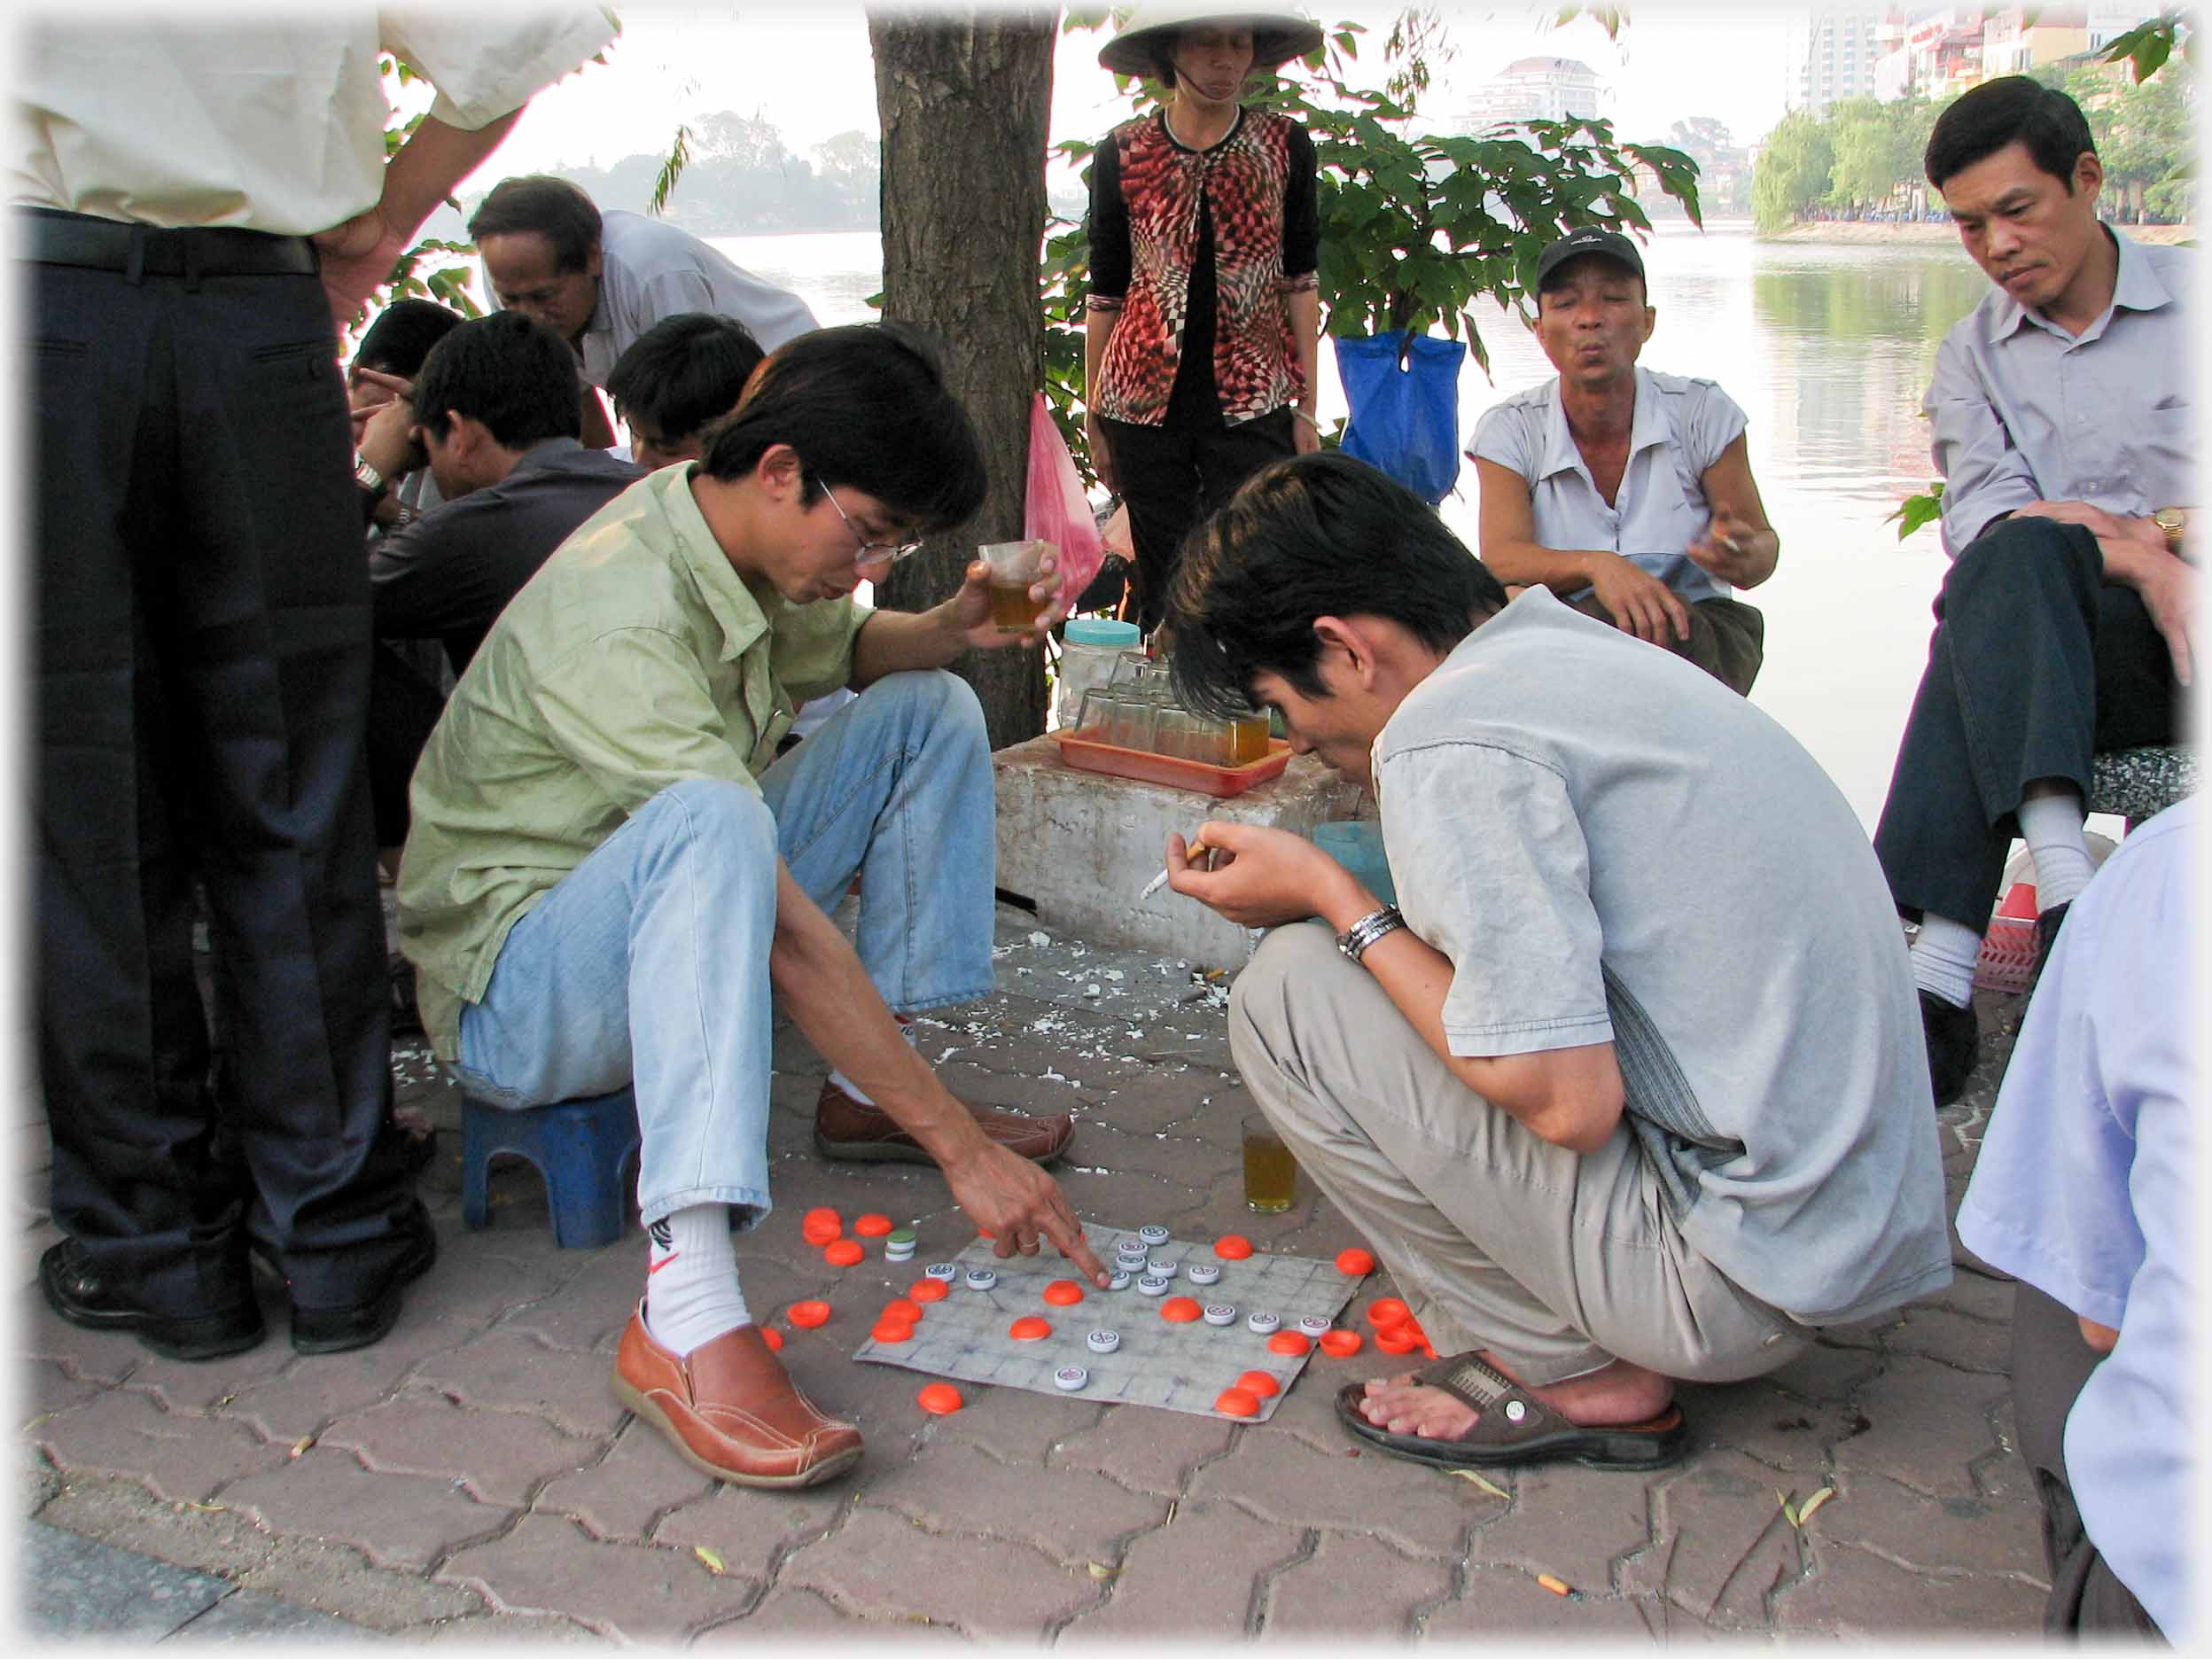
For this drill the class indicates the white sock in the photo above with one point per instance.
(1944, 955)
(692, 1294)
(907, 1031)
(2051, 827)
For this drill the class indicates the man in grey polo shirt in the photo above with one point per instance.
(1611, 1126)
(2065, 428)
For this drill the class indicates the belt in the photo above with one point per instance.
(48, 238)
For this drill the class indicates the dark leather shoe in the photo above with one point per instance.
(75, 1291)
(730, 1409)
(320, 1330)
(1952, 1033)
(2047, 925)
(843, 1128)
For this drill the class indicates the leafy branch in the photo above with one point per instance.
(1915, 510)
(2149, 44)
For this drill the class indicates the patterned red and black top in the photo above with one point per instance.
(1198, 246)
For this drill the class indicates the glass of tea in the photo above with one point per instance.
(1015, 567)
(1271, 1170)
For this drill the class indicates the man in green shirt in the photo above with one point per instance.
(609, 875)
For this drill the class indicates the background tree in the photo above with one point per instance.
(963, 101)
(1868, 160)
(1793, 173)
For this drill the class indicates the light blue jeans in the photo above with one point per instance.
(646, 968)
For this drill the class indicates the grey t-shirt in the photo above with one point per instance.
(1610, 845)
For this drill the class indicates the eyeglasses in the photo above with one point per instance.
(883, 553)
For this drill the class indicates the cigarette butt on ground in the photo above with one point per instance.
(1557, 1586)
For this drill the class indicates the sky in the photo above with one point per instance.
(806, 68)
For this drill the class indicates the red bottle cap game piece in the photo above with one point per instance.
(1064, 1293)
(1340, 1344)
(806, 1315)
(926, 1290)
(1385, 1311)
(1237, 1402)
(823, 1213)
(1232, 1247)
(773, 1338)
(820, 1233)
(902, 1307)
(843, 1253)
(871, 1225)
(1181, 1309)
(1029, 1329)
(939, 1400)
(1355, 1263)
(1260, 1385)
(892, 1329)
(1288, 1342)
(1396, 1339)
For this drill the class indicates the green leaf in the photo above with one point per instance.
(1916, 510)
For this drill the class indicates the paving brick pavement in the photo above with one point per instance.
(471, 1478)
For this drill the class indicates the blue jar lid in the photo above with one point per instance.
(1100, 631)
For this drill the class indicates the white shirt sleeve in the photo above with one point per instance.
(1711, 420)
(1506, 435)
(1984, 474)
(486, 60)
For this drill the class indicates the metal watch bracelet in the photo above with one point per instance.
(1354, 940)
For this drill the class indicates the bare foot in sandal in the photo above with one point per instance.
(1621, 1393)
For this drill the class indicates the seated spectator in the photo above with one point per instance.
(2086, 1192)
(1612, 1125)
(678, 379)
(2063, 410)
(608, 885)
(1627, 492)
(385, 364)
(600, 281)
(494, 418)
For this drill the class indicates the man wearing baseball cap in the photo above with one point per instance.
(1627, 491)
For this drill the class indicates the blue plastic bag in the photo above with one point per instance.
(1405, 421)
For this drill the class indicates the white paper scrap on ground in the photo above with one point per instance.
(1160, 1362)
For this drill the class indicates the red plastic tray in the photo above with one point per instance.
(1176, 773)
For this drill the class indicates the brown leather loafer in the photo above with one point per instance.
(843, 1128)
(730, 1409)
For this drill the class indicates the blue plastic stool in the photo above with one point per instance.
(580, 1149)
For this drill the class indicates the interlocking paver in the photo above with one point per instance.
(880, 1565)
(621, 1495)
(1719, 1546)
(1148, 1451)
(1954, 1338)
(751, 1529)
(588, 1311)
(1933, 1535)
(311, 1394)
(1925, 1424)
(1352, 1587)
(1018, 1425)
(788, 1614)
(632, 1591)
(508, 1371)
(1198, 1578)
(1856, 1594)
(208, 1385)
(402, 1521)
(1568, 1520)
(500, 1456)
(1072, 1515)
(43, 1388)
(106, 1357)
(124, 1431)
(1418, 1511)
(1500, 1601)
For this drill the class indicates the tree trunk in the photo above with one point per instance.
(964, 99)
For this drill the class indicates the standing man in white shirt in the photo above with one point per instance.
(2065, 430)
(600, 280)
(200, 202)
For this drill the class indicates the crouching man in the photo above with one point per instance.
(607, 884)
(1631, 1093)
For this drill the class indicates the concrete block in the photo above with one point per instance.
(1080, 846)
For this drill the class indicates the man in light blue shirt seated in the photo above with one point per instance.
(2085, 1190)
(2065, 433)
(1626, 492)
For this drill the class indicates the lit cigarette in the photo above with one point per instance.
(1197, 846)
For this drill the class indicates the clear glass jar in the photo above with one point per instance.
(1089, 651)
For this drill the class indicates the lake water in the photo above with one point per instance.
(1827, 347)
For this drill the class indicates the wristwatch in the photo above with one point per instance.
(1354, 940)
(368, 478)
(2173, 521)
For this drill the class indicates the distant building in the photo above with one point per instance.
(1831, 56)
(1535, 88)
(2016, 39)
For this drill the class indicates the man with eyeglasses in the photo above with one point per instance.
(610, 879)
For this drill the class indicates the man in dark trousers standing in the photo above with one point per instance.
(199, 201)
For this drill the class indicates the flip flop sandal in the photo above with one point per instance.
(1515, 1427)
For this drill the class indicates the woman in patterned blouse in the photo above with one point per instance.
(1204, 310)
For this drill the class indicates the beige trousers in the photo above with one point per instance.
(1555, 1261)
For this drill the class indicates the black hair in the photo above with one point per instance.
(403, 335)
(2011, 109)
(683, 372)
(515, 376)
(547, 206)
(1562, 274)
(864, 405)
(1317, 535)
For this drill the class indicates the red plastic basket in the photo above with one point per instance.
(2008, 948)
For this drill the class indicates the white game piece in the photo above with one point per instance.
(1314, 1325)
(1154, 1234)
(1071, 1377)
(1261, 1323)
(1161, 1268)
(980, 1279)
(1152, 1284)
(1204, 1272)
(1118, 1282)
(1219, 1313)
(941, 1270)
(1103, 1341)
